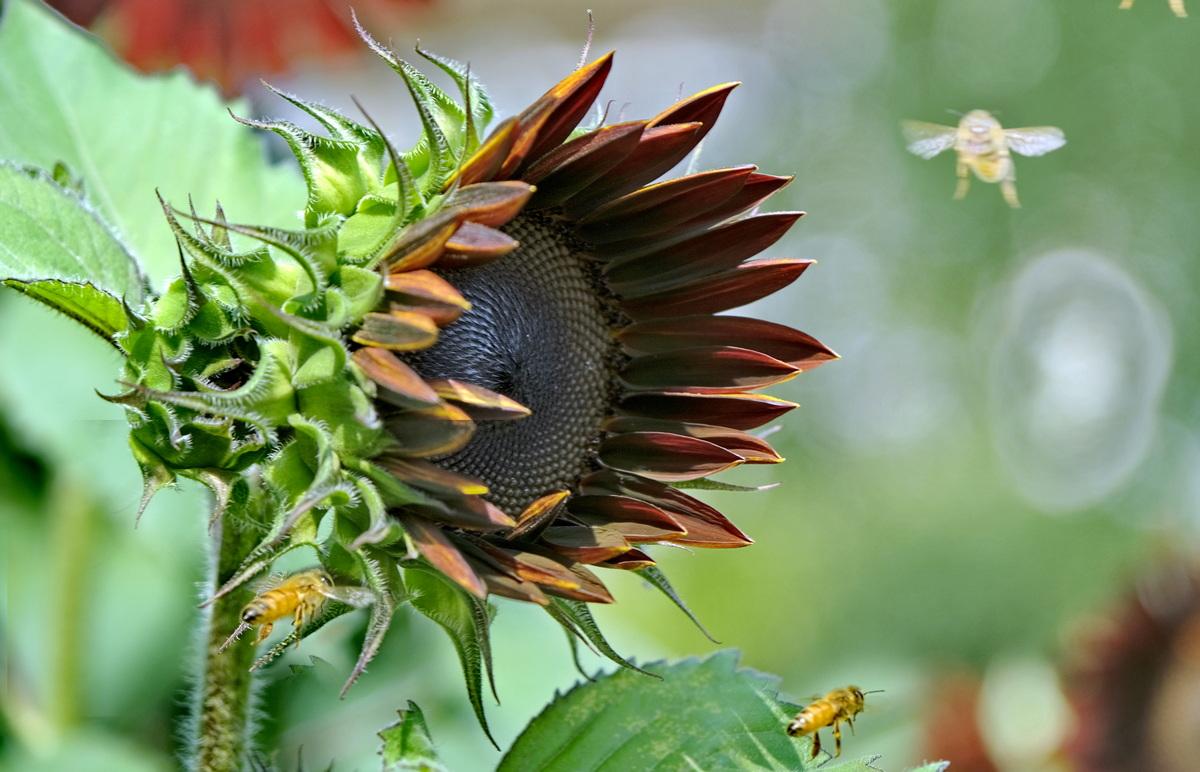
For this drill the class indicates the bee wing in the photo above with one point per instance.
(1034, 140)
(928, 139)
(357, 597)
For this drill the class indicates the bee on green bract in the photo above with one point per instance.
(300, 595)
(984, 147)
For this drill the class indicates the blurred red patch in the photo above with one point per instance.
(228, 41)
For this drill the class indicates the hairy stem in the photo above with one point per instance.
(221, 728)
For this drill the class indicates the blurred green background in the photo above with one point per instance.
(1011, 437)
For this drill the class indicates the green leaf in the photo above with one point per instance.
(704, 714)
(50, 233)
(465, 619)
(407, 744)
(86, 303)
(124, 134)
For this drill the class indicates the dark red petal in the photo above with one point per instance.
(702, 533)
(682, 507)
(479, 403)
(540, 512)
(714, 250)
(475, 244)
(659, 207)
(591, 589)
(474, 513)
(486, 163)
(737, 411)
(730, 289)
(634, 519)
(420, 244)
(658, 150)
(397, 331)
(573, 97)
(424, 286)
(489, 203)
(437, 548)
(529, 566)
(631, 561)
(756, 190)
(517, 589)
(571, 167)
(777, 340)
(706, 369)
(753, 449)
(667, 457)
(431, 431)
(398, 383)
(703, 107)
(586, 544)
(430, 477)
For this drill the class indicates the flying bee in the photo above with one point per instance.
(829, 711)
(1176, 6)
(983, 147)
(301, 596)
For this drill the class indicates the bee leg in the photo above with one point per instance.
(850, 723)
(964, 181)
(300, 619)
(263, 631)
(1008, 187)
(837, 739)
(816, 745)
(1177, 7)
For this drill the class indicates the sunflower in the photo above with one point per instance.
(491, 361)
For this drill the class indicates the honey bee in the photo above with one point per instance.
(983, 147)
(829, 711)
(300, 595)
(1176, 6)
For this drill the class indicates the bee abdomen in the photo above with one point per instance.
(254, 609)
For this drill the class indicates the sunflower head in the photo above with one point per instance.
(484, 366)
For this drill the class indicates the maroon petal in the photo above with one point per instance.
(703, 107)
(757, 189)
(475, 244)
(659, 207)
(430, 477)
(634, 519)
(437, 548)
(398, 383)
(529, 566)
(753, 449)
(737, 411)
(585, 544)
(573, 97)
(479, 403)
(667, 457)
(714, 250)
(720, 292)
(486, 163)
(431, 431)
(705, 521)
(633, 560)
(777, 340)
(590, 590)
(571, 167)
(658, 150)
(706, 369)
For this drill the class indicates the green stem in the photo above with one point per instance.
(221, 731)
